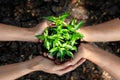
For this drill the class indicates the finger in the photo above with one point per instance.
(44, 23)
(50, 57)
(37, 58)
(72, 67)
(45, 54)
(64, 65)
(41, 27)
(40, 41)
(77, 56)
(57, 61)
(80, 62)
(50, 23)
(76, 59)
(66, 70)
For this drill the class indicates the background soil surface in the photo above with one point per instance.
(28, 13)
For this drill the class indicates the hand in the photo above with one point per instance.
(81, 56)
(43, 64)
(39, 29)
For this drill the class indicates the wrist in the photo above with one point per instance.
(88, 33)
(90, 52)
(34, 64)
(83, 31)
(87, 51)
(29, 35)
(23, 66)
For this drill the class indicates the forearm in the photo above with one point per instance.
(106, 61)
(13, 33)
(108, 31)
(13, 71)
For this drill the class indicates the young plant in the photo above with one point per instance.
(61, 40)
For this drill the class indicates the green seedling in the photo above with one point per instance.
(61, 40)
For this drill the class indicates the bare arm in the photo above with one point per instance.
(108, 31)
(14, 71)
(14, 33)
(106, 61)
(103, 59)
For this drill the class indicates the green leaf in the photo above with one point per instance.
(74, 48)
(71, 27)
(80, 24)
(53, 37)
(79, 35)
(54, 31)
(64, 16)
(74, 38)
(41, 37)
(67, 46)
(62, 55)
(64, 24)
(65, 30)
(73, 22)
(52, 53)
(54, 49)
(70, 54)
(51, 18)
(47, 44)
(67, 36)
(72, 42)
(59, 24)
(56, 42)
(58, 54)
(45, 32)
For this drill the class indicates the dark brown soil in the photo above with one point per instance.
(28, 13)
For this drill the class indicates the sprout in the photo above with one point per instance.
(62, 39)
